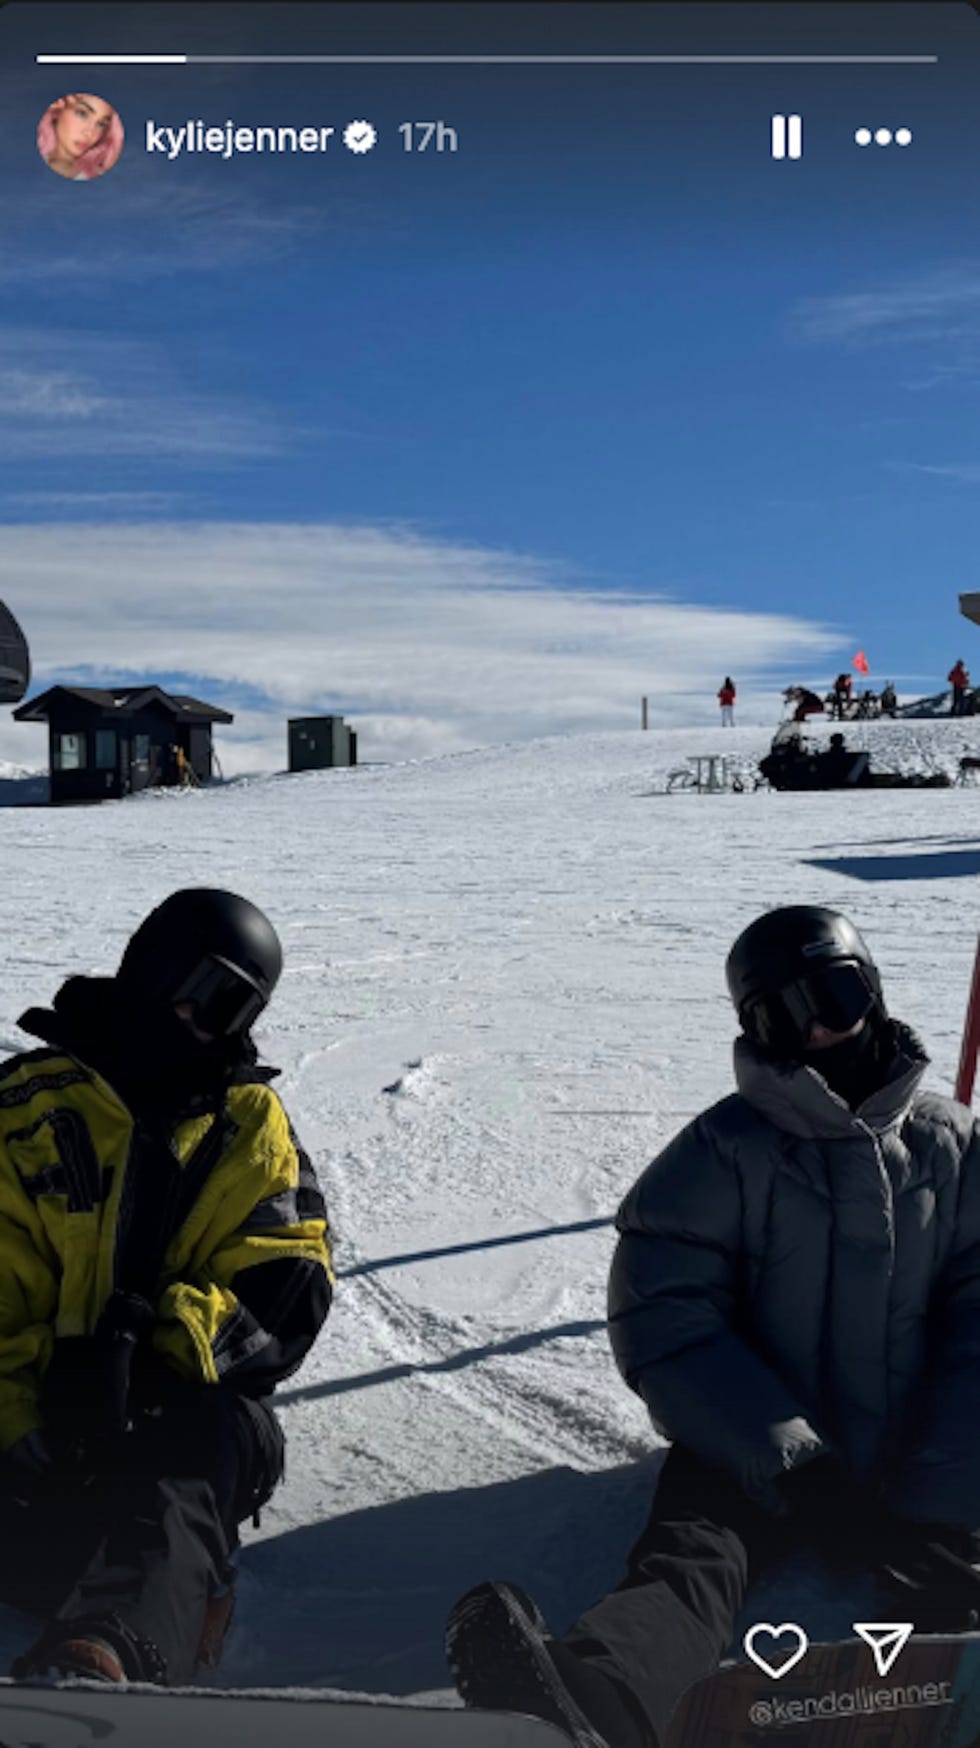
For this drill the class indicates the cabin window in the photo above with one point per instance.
(69, 752)
(106, 752)
(141, 749)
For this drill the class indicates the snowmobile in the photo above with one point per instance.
(792, 764)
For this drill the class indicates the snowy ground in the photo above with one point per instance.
(503, 994)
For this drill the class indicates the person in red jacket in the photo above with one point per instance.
(959, 679)
(842, 696)
(726, 698)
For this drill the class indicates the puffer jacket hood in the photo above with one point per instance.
(793, 1275)
(795, 1097)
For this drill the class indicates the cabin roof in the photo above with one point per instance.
(124, 701)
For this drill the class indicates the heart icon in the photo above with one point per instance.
(786, 1628)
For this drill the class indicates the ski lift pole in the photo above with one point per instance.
(966, 1073)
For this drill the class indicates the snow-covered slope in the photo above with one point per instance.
(936, 705)
(503, 994)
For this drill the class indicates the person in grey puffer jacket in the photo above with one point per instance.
(796, 1297)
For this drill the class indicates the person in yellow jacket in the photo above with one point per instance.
(164, 1265)
(185, 770)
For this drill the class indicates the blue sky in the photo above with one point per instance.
(487, 445)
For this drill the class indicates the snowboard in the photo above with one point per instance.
(835, 1698)
(83, 1715)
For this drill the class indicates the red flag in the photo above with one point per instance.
(860, 661)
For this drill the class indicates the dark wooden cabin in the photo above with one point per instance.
(108, 742)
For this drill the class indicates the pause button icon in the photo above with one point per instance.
(787, 136)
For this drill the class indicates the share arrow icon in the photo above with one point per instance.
(886, 1640)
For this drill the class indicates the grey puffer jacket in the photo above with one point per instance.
(792, 1276)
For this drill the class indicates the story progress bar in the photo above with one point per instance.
(90, 60)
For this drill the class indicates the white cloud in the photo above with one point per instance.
(59, 503)
(931, 321)
(201, 223)
(967, 472)
(47, 395)
(63, 393)
(943, 305)
(426, 646)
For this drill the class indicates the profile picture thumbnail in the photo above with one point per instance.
(80, 136)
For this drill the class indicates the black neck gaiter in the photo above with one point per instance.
(149, 1055)
(856, 1067)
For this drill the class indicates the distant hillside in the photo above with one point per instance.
(22, 788)
(923, 708)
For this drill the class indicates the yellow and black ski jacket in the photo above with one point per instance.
(245, 1282)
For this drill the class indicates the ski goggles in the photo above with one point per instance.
(222, 999)
(835, 997)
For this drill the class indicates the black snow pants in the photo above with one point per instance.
(146, 1538)
(671, 1620)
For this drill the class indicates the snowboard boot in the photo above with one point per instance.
(84, 1657)
(503, 1658)
(98, 1648)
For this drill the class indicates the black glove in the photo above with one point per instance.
(933, 1567)
(822, 1493)
(840, 1513)
(85, 1392)
(154, 1384)
(936, 1571)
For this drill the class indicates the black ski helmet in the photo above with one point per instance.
(209, 948)
(796, 965)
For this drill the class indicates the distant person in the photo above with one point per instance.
(186, 776)
(726, 698)
(959, 679)
(80, 137)
(794, 1299)
(805, 703)
(789, 764)
(165, 1268)
(840, 766)
(842, 696)
(889, 699)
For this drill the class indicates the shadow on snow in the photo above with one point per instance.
(392, 1262)
(453, 1362)
(360, 1601)
(944, 865)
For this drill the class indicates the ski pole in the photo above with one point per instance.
(966, 1072)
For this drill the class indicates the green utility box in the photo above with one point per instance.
(316, 743)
